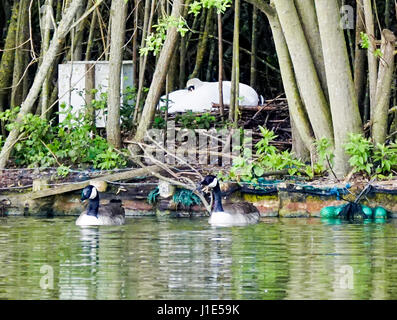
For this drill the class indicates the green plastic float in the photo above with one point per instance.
(332, 212)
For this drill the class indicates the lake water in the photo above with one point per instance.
(163, 258)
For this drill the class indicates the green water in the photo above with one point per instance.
(150, 258)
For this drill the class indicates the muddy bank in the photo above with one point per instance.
(283, 200)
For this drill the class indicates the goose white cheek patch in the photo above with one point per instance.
(213, 183)
(94, 193)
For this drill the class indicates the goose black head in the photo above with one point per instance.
(89, 192)
(190, 88)
(209, 182)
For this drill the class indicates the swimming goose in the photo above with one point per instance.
(236, 214)
(110, 214)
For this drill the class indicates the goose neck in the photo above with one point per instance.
(93, 207)
(217, 199)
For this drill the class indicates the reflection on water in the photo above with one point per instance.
(151, 258)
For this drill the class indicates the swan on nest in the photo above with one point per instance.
(199, 96)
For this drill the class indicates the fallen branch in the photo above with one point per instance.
(191, 186)
(80, 185)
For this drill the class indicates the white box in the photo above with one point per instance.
(71, 85)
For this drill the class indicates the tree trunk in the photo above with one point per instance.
(183, 48)
(49, 58)
(385, 78)
(20, 61)
(202, 47)
(295, 104)
(135, 44)
(90, 41)
(387, 14)
(79, 34)
(360, 75)
(372, 60)
(254, 44)
(7, 59)
(343, 101)
(305, 71)
(159, 75)
(308, 18)
(220, 65)
(45, 93)
(118, 13)
(234, 94)
(211, 58)
(143, 60)
(298, 145)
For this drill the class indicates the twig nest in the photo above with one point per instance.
(99, 184)
(166, 189)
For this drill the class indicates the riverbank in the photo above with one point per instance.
(273, 198)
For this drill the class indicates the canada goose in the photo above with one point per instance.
(199, 96)
(241, 213)
(110, 214)
(3, 205)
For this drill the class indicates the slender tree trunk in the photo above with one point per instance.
(360, 74)
(308, 18)
(149, 7)
(142, 63)
(372, 60)
(298, 145)
(45, 93)
(308, 81)
(182, 62)
(295, 104)
(79, 34)
(172, 73)
(387, 14)
(183, 48)
(159, 76)
(135, 44)
(385, 78)
(234, 95)
(118, 13)
(210, 64)
(254, 45)
(90, 41)
(49, 58)
(20, 61)
(343, 100)
(220, 64)
(7, 61)
(202, 47)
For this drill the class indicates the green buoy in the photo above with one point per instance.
(380, 213)
(368, 211)
(328, 212)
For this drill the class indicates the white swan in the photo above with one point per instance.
(199, 96)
